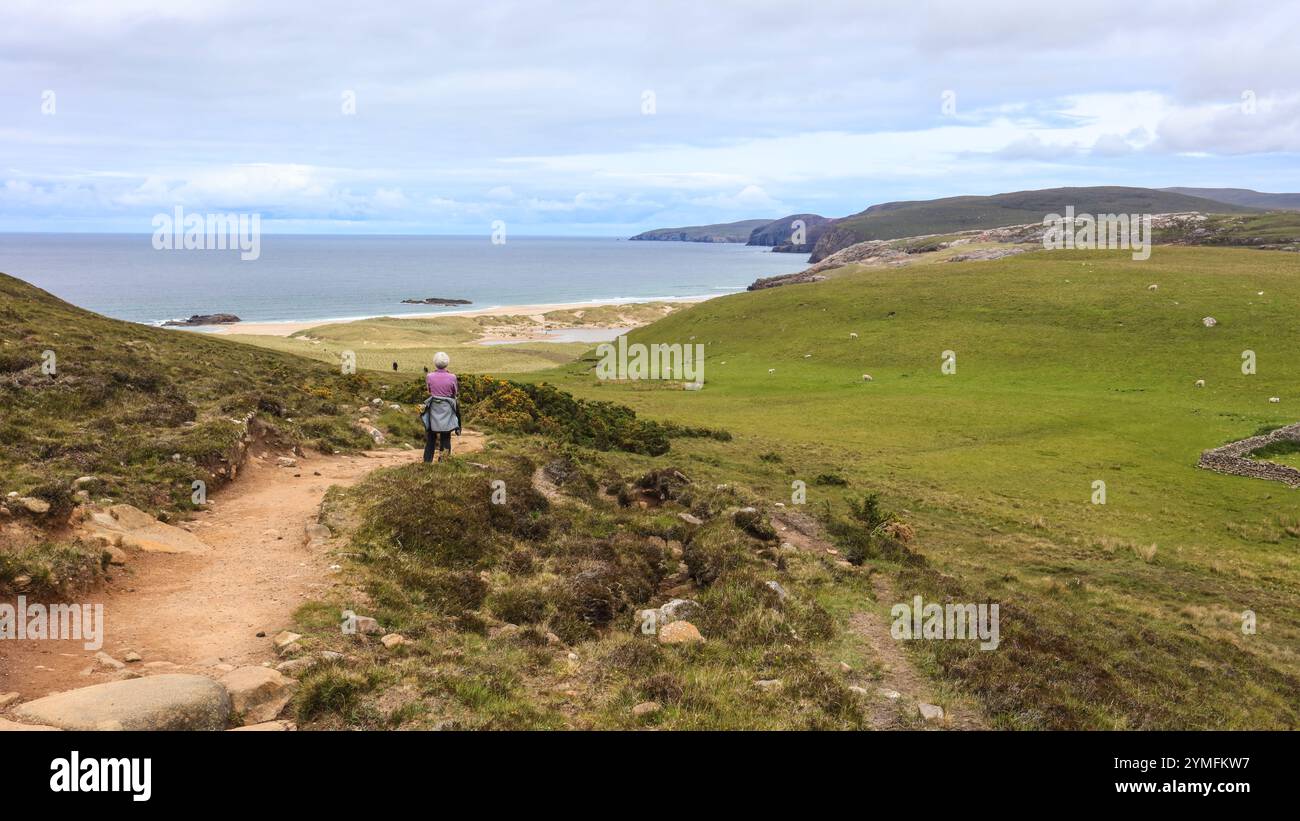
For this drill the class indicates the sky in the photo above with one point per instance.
(609, 118)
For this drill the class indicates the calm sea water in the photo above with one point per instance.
(301, 278)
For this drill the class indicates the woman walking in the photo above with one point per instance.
(441, 413)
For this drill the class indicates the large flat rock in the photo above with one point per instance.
(132, 527)
(166, 702)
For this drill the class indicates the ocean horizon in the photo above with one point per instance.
(333, 278)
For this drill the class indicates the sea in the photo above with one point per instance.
(300, 278)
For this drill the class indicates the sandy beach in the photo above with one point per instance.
(534, 311)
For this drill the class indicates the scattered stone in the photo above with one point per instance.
(258, 693)
(7, 698)
(107, 662)
(646, 708)
(131, 657)
(689, 519)
(845, 668)
(680, 632)
(116, 555)
(82, 481)
(862, 691)
(166, 702)
(286, 462)
(769, 685)
(776, 588)
(932, 713)
(367, 625)
(892, 695)
(393, 640)
(38, 507)
(284, 638)
(293, 667)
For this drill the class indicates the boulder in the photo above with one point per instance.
(258, 693)
(126, 526)
(284, 638)
(689, 519)
(166, 702)
(38, 507)
(393, 640)
(932, 713)
(680, 632)
(645, 708)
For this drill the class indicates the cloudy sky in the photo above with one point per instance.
(608, 118)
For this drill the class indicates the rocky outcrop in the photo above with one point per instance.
(258, 694)
(784, 279)
(202, 319)
(1233, 459)
(129, 527)
(436, 300)
(166, 702)
(778, 234)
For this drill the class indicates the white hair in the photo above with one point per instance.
(441, 360)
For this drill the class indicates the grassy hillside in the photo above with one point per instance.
(892, 220)
(1244, 197)
(721, 232)
(126, 399)
(1070, 370)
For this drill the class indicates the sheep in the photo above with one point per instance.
(866, 377)
(1200, 383)
(852, 335)
(1275, 399)
(1153, 287)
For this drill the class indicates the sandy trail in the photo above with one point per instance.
(194, 611)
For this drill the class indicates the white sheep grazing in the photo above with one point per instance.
(1275, 399)
(853, 335)
(1153, 287)
(1209, 322)
(866, 377)
(771, 370)
(1200, 383)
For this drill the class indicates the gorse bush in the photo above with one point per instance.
(543, 409)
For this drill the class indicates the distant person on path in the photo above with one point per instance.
(441, 412)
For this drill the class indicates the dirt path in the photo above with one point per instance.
(191, 612)
(898, 674)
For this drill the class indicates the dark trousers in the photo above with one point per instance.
(434, 438)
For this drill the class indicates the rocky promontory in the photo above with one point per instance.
(202, 319)
(436, 300)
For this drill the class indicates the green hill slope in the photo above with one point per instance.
(722, 232)
(1070, 371)
(1244, 197)
(892, 220)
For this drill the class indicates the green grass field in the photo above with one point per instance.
(1069, 371)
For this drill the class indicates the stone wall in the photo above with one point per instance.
(1233, 458)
